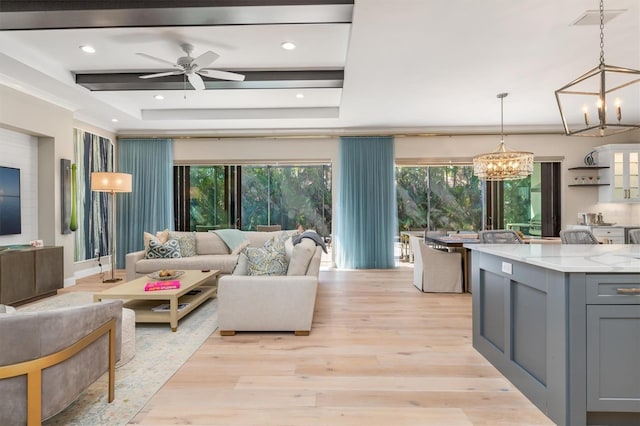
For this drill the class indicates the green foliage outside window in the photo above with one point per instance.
(284, 195)
(206, 197)
(439, 198)
(288, 196)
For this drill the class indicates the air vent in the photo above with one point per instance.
(592, 17)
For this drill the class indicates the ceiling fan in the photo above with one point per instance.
(193, 68)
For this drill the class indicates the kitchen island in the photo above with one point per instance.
(562, 323)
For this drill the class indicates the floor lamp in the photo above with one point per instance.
(111, 182)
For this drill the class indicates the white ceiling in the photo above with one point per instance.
(410, 66)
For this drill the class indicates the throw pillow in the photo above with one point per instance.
(168, 250)
(186, 241)
(264, 261)
(161, 236)
(277, 242)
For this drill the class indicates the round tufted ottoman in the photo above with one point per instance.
(128, 348)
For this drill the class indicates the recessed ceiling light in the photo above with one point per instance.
(115, 120)
(159, 97)
(300, 95)
(88, 49)
(288, 45)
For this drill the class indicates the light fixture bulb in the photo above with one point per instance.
(159, 97)
(288, 45)
(88, 49)
(115, 120)
(300, 95)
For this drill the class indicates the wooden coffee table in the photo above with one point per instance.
(195, 288)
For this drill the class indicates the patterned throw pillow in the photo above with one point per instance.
(265, 261)
(186, 241)
(161, 236)
(277, 242)
(158, 250)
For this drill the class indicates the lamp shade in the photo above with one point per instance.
(110, 182)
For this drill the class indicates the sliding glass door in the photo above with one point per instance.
(438, 198)
(244, 196)
(450, 198)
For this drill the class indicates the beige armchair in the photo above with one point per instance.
(435, 270)
(47, 358)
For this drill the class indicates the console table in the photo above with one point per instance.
(30, 273)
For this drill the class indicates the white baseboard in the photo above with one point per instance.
(68, 282)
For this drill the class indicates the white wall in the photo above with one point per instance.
(20, 151)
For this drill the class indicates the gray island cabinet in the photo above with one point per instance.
(562, 323)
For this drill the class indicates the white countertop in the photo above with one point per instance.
(603, 258)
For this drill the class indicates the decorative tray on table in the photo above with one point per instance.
(165, 275)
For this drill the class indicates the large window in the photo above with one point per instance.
(234, 196)
(439, 198)
(450, 198)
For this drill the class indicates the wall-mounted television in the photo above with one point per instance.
(10, 219)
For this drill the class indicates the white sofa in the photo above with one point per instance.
(212, 253)
(272, 303)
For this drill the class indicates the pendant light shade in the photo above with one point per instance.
(603, 101)
(503, 164)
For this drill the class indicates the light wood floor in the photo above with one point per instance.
(380, 353)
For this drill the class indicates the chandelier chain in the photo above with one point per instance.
(601, 32)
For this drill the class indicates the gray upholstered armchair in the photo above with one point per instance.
(47, 358)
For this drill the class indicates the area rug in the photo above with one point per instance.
(159, 354)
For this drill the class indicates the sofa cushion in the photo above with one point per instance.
(242, 266)
(301, 256)
(210, 243)
(258, 239)
(186, 241)
(221, 262)
(157, 250)
(161, 236)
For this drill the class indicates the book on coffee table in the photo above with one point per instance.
(165, 307)
(162, 285)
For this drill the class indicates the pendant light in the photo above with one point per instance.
(503, 164)
(603, 101)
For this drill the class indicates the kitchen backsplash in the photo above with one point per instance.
(620, 214)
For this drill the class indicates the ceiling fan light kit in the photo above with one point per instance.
(603, 101)
(193, 68)
(503, 164)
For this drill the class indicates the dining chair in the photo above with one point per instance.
(634, 236)
(435, 271)
(500, 236)
(578, 236)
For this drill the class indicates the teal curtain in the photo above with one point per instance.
(149, 206)
(367, 213)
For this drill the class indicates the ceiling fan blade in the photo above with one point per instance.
(222, 75)
(158, 59)
(196, 81)
(161, 74)
(205, 59)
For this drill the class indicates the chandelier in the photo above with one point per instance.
(503, 164)
(603, 101)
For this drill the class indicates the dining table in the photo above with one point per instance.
(456, 242)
